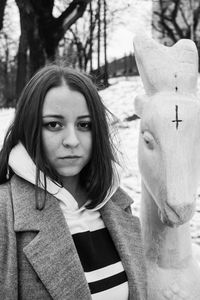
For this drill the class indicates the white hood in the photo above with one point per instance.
(22, 165)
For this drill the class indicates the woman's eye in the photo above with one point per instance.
(54, 125)
(84, 125)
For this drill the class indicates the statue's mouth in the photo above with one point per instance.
(165, 219)
(176, 215)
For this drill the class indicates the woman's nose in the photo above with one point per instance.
(70, 138)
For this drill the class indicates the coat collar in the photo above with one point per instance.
(53, 259)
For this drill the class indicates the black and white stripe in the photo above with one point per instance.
(100, 260)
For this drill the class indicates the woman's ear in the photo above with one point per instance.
(139, 103)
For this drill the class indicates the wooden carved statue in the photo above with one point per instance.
(169, 162)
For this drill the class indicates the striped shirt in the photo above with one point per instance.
(101, 263)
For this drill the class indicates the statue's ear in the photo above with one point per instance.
(139, 103)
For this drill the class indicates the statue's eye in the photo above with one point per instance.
(148, 140)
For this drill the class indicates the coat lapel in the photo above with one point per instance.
(52, 252)
(125, 232)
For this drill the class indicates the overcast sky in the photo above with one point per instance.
(134, 20)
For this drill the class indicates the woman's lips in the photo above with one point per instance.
(70, 157)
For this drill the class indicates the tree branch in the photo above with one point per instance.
(176, 8)
(73, 12)
(196, 17)
(164, 20)
(183, 16)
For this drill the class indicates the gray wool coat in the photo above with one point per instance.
(38, 258)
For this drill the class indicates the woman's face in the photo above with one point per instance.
(66, 133)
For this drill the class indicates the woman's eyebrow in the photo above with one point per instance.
(61, 117)
(84, 116)
(53, 116)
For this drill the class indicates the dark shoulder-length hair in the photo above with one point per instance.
(97, 175)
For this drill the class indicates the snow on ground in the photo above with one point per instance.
(119, 98)
(6, 116)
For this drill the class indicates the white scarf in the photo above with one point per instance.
(23, 166)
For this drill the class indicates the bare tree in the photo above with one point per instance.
(41, 32)
(90, 36)
(176, 19)
(84, 36)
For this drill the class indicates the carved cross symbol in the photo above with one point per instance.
(177, 120)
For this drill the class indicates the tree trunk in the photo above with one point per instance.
(37, 57)
(105, 45)
(99, 35)
(2, 9)
(91, 39)
(5, 73)
(22, 64)
(30, 43)
(192, 20)
(22, 50)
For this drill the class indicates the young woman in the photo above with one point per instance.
(66, 230)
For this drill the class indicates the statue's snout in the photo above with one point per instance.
(178, 214)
